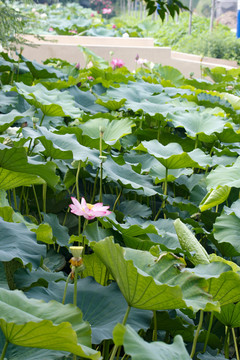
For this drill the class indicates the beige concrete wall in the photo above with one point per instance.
(66, 48)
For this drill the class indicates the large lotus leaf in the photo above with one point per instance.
(15, 352)
(102, 306)
(125, 175)
(140, 349)
(229, 315)
(133, 208)
(52, 103)
(112, 130)
(6, 120)
(171, 74)
(60, 233)
(207, 356)
(16, 241)
(172, 155)
(86, 101)
(131, 228)
(223, 283)
(158, 172)
(40, 71)
(111, 105)
(198, 122)
(95, 233)
(134, 91)
(169, 289)
(234, 100)
(224, 175)
(8, 102)
(145, 161)
(94, 267)
(24, 278)
(3, 278)
(234, 209)
(15, 159)
(152, 105)
(12, 179)
(66, 146)
(226, 233)
(53, 326)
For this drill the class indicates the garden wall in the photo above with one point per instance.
(66, 48)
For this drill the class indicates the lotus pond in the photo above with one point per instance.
(153, 273)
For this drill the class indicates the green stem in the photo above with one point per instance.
(4, 350)
(197, 333)
(123, 323)
(165, 194)
(36, 199)
(44, 195)
(94, 186)
(116, 201)
(14, 198)
(154, 335)
(65, 289)
(100, 186)
(208, 332)
(235, 343)
(226, 343)
(42, 120)
(75, 287)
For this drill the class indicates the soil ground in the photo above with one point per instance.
(229, 19)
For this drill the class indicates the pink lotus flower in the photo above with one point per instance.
(106, 11)
(50, 29)
(114, 26)
(87, 210)
(73, 31)
(117, 63)
(92, 15)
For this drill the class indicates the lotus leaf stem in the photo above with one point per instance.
(4, 350)
(208, 332)
(65, 289)
(38, 208)
(196, 334)
(115, 348)
(154, 336)
(235, 343)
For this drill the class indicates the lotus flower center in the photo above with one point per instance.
(90, 206)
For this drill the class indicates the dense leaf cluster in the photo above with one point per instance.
(154, 146)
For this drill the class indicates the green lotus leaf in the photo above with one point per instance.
(93, 232)
(60, 233)
(111, 105)
(40, 71)
(102, 306)
(24, 278)
(112, 130)
(133, 208)
(129, 178)
(16, 241)
(215, 197)
(226, 233)
(7, 120)
(52, 103)
(16, 160)
(172, 155)
(12, 179)
(149, 283)
(140, 349)
(198, 122)
(224, 175)
(229, 315)
(234, 100)
(53, 326)
(158, 173)
(66, 146)
(207, 356)
(86, 101)
(22, 353)
(3, 278)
